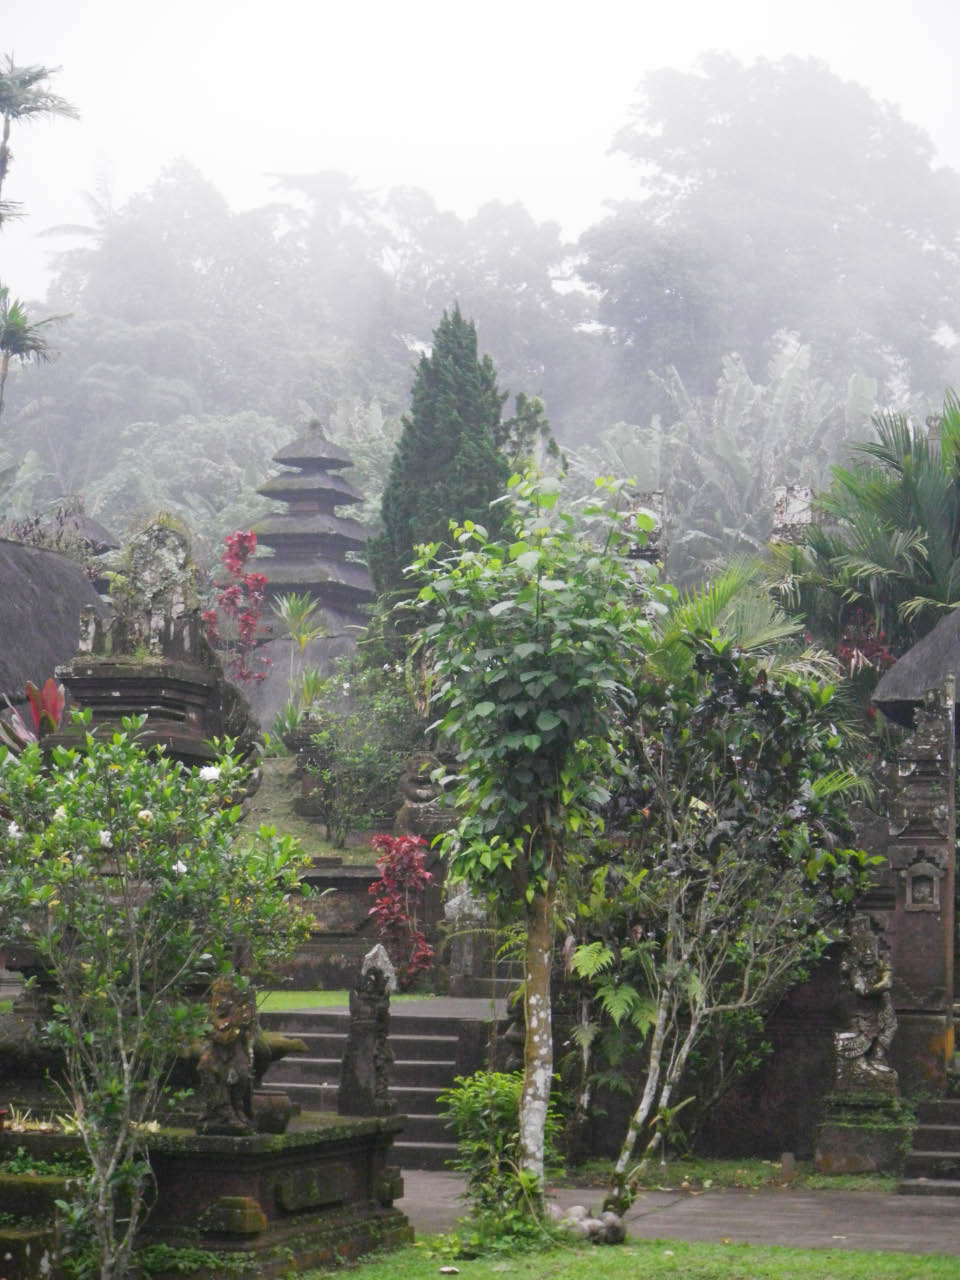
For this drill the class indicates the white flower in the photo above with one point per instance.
(59, 813)
(346, 686)
(14, 832)
(145, 815)
(210, 772)
(106, 840)
(179, 867)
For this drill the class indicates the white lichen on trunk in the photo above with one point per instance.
(538, 1044)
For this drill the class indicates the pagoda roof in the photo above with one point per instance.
(298, 485)
(313, 450)
(922, 668)
(323, 524)
(319, 575)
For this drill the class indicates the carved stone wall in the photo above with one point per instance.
(917, 889)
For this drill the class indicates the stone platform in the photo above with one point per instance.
(319, 1194)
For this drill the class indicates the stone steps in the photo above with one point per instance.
(431, 1045)
(932, 1166)
(929, 1187)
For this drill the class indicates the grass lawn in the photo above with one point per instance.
(283, 1001)
(695, 1173)
(659, 1259)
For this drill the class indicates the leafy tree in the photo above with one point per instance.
(734, 865)
(447, 465)
(126, 873)
(364, 730)
(775, 196)
(530, 642)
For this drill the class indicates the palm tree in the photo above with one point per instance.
(24, 96)
(736, 605)
(19, 338)
(890, 544)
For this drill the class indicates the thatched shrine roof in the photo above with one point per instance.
(41, 596)
(313, 450)
(323, 525)
(293, 485)
(341, 580)
(923, 667)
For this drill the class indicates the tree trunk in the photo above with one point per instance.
(617, 1196)
(538, 1043)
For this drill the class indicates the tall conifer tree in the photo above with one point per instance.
(447, 464)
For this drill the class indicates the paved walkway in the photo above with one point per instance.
(803, 1219)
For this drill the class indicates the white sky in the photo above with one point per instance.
(496, 99)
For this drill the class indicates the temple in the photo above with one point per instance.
(309, 541)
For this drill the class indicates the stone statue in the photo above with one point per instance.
(365, 1076)
(423, 812)
(862, 1050)
(226, 1064)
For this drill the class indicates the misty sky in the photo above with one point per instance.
(509, 99)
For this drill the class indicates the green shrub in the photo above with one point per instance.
(366, 730)
(484, 1110)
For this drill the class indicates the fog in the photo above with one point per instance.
(508, 101)
(714, 239)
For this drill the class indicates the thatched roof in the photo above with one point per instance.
(41, 596)
(330, 489)
(921, 668)
(315, 451)
(324, 526)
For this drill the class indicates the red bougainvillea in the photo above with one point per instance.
(400, 893)
(232, 625)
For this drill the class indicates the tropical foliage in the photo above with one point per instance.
(718, 459)
(734, 866)
(127, 875)
(885, 559)
(530, 642)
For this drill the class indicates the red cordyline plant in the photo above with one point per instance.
(862, 645)
(46, 708)
(400, 892)
(232, 625)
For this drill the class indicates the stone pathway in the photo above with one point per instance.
(803, 1219)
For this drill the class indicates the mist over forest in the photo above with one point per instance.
(786, 265)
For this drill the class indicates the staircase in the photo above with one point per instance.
(932, 1166)
(431, 1043)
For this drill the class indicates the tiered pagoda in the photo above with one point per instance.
(309, 540)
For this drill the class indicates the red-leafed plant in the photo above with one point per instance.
(862, 645)
(400, 893)
(46, 709)
(232, 625)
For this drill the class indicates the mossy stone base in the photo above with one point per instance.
(862, 1133)
(27, 1253)
(319, 1240)
(277, 1203)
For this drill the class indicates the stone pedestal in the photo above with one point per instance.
(862, 1133)
(282, 1203)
